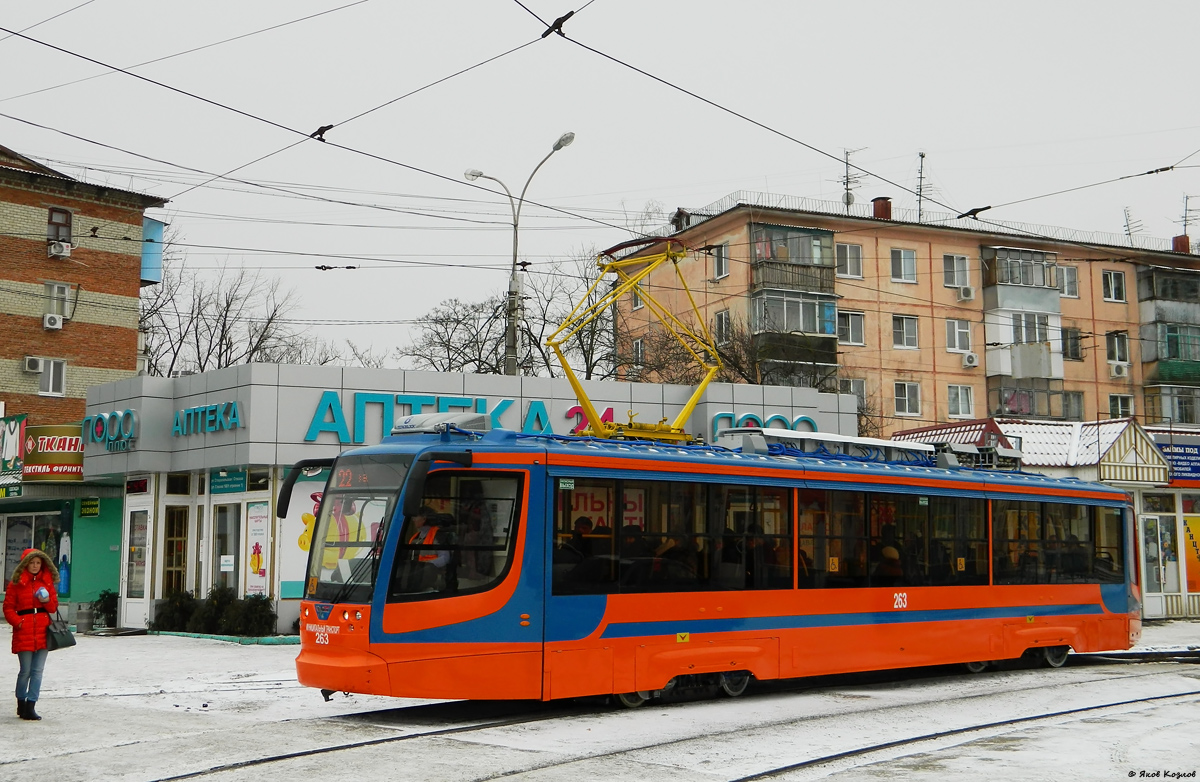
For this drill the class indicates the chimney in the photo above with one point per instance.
(883, 207)
(1181, 244)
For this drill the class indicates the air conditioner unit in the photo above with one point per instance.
(970, 360)
(1118, 370)
(966, 293)
(59, 250)
(33, 364)
(52, 322)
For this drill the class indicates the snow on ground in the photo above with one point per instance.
(144, 707)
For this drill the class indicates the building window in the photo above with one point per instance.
(258, 479)
(954, 271)
(784, 314)
(1120, 405)
(53, 378)
(1030, 327)
(850, 328)
(1072, 344)
(635, 296)
(179, 483)
(904, 331)
(1068, 281)
(904, 265)
(962, 404)
(908, 398)
(721, 261)
(58, 228)
(59, 299)
(1180, 342)
(1118, 346)
(1073, 405)
(721, 329)
(1013, 266)
(958, 335)
(792, 245)
(849, 260)
(848, 385)
(1173, 404)
(1114, 286)
(639, 352)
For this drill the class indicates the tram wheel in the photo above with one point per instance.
(976, 667)
(734, 683)
(1056, 656)
(631, 700)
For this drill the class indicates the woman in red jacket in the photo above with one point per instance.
(28, 603)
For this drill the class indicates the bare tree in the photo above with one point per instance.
(458, 336)
(551, 296)
(195, 322)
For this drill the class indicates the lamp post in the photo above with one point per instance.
(514, 288)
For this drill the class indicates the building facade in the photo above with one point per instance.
(937, 319)
(73, 259)
(201, 457)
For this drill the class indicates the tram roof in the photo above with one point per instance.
(712, 463)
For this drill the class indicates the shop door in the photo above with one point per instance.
(134, 596)
(175, 550)
(1160, 563)
(227, 530)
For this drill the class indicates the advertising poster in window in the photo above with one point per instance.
(53, 453)
(12, 452)
(258, 530)
(295, 532)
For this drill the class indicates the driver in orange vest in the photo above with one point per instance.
(428, 534)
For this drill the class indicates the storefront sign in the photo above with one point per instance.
(258, 526)
(117, 431)
(53, 453)
(89, 507)
(227, 481)
(227, 563)
(207, 418)
(330, 416)
(1184, 459)
(10, 491)
(12, 450)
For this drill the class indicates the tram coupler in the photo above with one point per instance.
(327, 695)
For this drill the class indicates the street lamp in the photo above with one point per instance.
(514, 288)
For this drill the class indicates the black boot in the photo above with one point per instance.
(21, 708)
(30, 714)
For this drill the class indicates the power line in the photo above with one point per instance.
(176, 54)
(50, 19)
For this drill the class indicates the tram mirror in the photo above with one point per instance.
(285, 491)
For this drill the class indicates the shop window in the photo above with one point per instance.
(179, 483)
(258, 479)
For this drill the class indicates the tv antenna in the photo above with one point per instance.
(1189, 214)
(851, 179)
(1131, 226)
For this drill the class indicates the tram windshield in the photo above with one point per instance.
(348, 537)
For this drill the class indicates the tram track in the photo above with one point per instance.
(547, 714)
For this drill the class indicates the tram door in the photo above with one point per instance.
(1160, 563)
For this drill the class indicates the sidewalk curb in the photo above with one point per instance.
(268, 640)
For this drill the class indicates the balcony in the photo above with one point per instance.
(795, 348)
(792, 276)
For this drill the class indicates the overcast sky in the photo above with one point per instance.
(1008, 101)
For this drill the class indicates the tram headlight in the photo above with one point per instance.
(358, 614)
(306, 611)
(345, 615)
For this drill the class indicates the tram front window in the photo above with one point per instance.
(347, 539)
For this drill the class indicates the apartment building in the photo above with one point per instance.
(73, 258)
(936, 319)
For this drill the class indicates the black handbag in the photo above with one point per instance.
(58, 634)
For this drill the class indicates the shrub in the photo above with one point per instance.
(175, 612)
(207, 617)
(253, 616)
(104, 608)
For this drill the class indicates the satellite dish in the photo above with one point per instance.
(848, 198)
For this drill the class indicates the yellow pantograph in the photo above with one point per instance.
(696, 340)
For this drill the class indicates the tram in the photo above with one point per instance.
(453, 561)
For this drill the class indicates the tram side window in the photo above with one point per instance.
(959, 526)
(832, 526)
(462, 539)
(901, 553)
(1108, 546)
(669, 536)
(1017, 542)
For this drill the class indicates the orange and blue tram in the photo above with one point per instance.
(450, 563)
